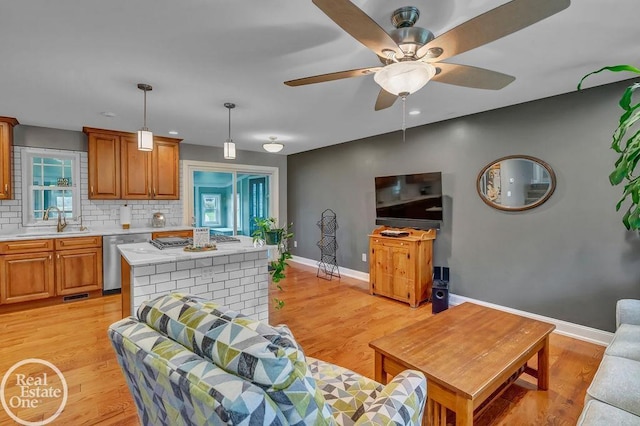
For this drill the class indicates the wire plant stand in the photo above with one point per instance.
(328, 266)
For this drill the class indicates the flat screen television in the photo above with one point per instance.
(404, 199)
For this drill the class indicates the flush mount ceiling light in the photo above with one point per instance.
(404, 78)
(229, 146)
(145, 137)
(273, 146)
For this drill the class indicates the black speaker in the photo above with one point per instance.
(439, 296)
(436, 273)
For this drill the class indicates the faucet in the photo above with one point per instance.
(82, 227)
(62, 221)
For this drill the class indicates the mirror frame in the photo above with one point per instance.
(490, 203)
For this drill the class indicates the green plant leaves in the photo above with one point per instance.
(614, 68)
(628, 149)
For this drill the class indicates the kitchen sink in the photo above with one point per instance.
(49, 234)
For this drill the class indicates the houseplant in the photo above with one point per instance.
(628, 148)
(268, 232)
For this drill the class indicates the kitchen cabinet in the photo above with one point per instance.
(39, 270)
(104, 166)
(6, 163)
(135, 175)
(401, 267)
(78, 265)
(185, 233)
(26, 271)
(136, 170)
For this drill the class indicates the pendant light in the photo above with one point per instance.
(273, 146)
(145, 136)
(229, 146)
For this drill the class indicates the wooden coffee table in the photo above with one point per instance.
(469, 353)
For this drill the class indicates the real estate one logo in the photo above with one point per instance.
(26, 395)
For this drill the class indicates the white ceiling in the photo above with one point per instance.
(64, 62)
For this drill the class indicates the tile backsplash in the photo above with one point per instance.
(96, 213)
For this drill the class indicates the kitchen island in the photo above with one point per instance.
(234, 275)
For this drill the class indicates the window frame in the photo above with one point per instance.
(28, 217)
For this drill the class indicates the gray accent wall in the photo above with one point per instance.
(569, 259)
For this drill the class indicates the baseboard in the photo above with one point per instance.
(351, 273)
(565, 328)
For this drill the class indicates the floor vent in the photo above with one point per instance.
(75, 297)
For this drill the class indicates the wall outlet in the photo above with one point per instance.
(364, 257)
(295, 243)
(207, 272)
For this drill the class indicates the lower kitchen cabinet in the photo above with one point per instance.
(48, 270)
(26, 277)
(78, 271)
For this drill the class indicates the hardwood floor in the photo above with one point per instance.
(332, 320)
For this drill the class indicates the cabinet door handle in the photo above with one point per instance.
(6, 188)
(91, 189)
(154, 193)
(49, 257)
(58, 257)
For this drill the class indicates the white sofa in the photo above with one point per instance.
(613, 398)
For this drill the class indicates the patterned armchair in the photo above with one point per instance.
(188, 361)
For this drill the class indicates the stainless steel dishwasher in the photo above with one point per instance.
(111, 259)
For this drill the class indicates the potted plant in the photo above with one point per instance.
(268, 233)
(628, 148)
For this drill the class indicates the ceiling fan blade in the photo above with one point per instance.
(332, 76)
(359, 25)
(477, 78)
(385, 100)
(492, 25)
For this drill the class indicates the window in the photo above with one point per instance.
(51, 181)
(226, 198)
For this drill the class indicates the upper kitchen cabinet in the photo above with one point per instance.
(165, 169)
(136, 170)
(6, 166)
(104, 166)
(135, 174)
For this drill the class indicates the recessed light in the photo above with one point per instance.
(108, 114)
(414, 112)
(173, 132)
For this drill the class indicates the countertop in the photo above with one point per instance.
(47, 233)
(140, 254)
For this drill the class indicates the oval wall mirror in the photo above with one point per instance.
(516, 183)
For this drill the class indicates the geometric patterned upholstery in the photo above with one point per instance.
(264, 355)
(191, 361)
(358, 400)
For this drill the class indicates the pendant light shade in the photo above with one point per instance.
(404, 78)
(145, 136)
(272, 146)
(229, 145)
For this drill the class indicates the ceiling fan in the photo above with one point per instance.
(411, 56)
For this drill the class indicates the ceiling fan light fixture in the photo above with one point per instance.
(405, 77)
(229, 147)
(273, 146)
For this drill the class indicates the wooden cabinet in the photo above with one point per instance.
(165, 170)
(32, 270)
(136, 171)
(186, 233)
(6, 164)
(78, 265)
(104, 166)
(26, 271)
(401, 267)
(130, 173)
